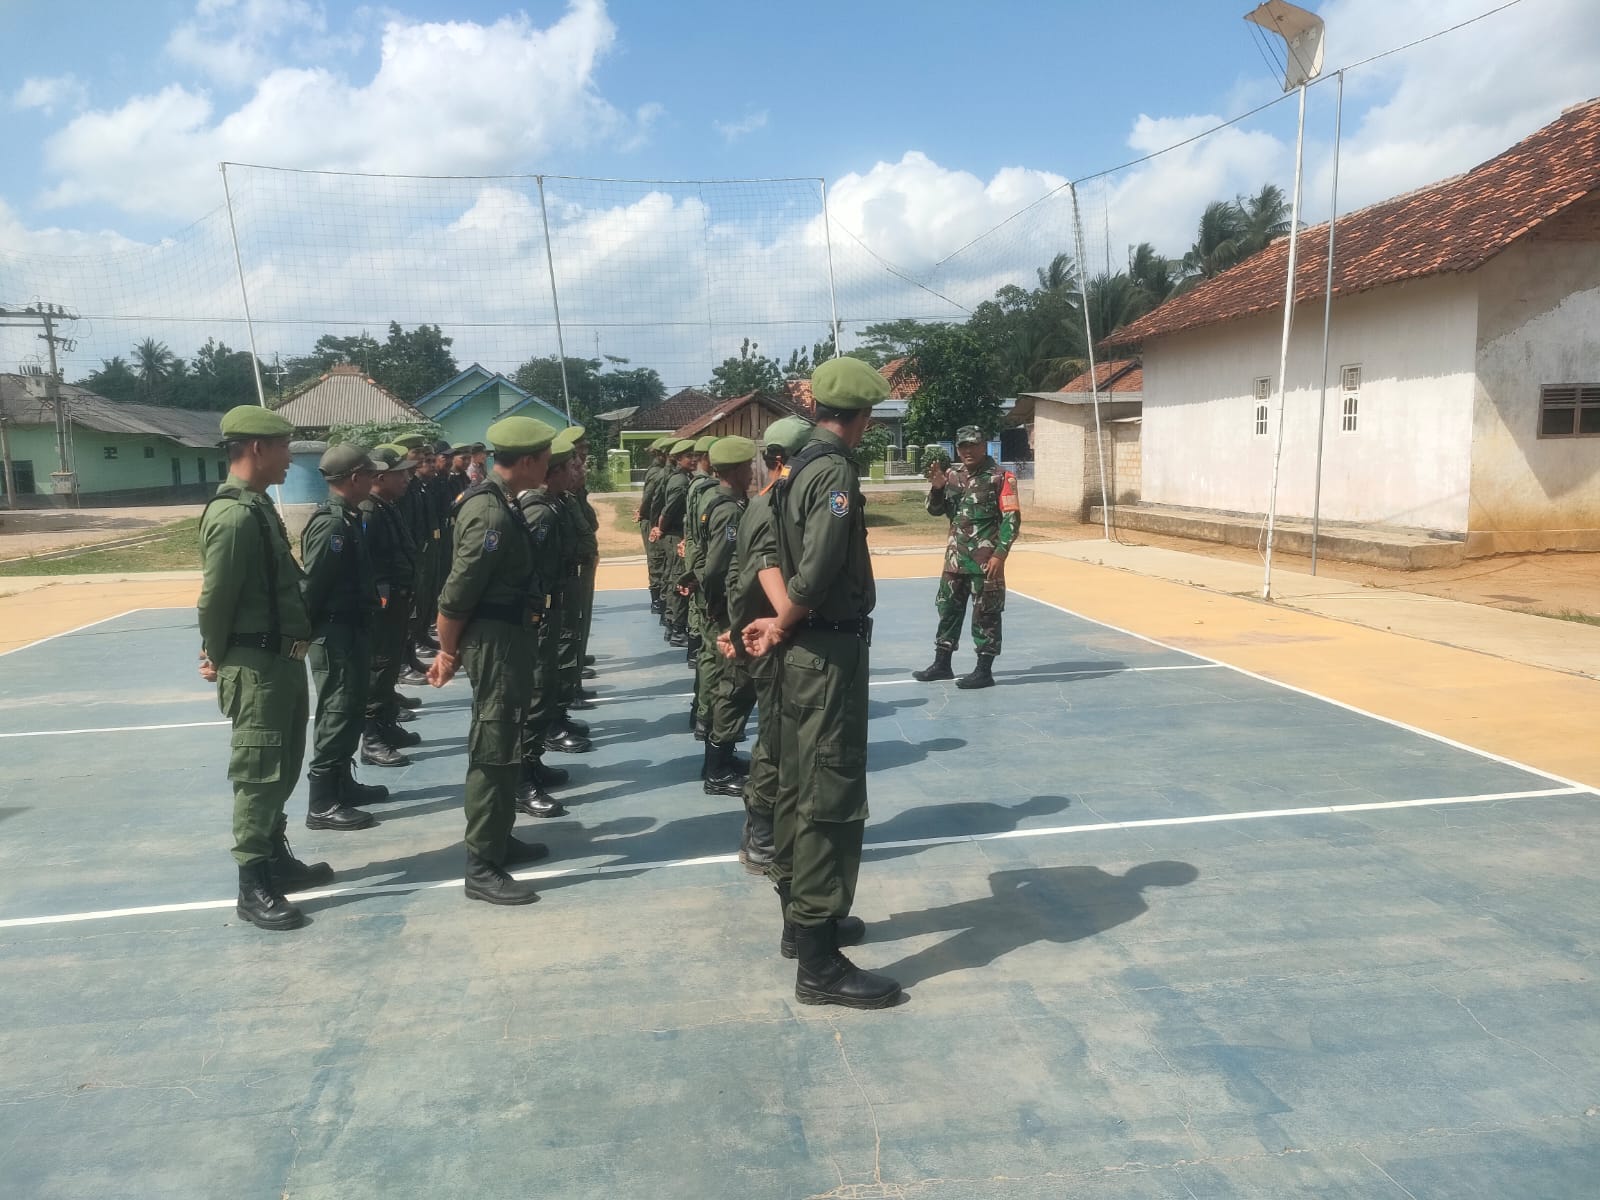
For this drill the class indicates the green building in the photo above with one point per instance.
(467, 405)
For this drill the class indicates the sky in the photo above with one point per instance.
(932, 122)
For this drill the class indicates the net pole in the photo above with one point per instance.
(833, 300)
(1283, 352)
(1327, 315)
(555, 299)
(244, 292)
(1094, 378)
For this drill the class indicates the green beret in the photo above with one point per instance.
(392, 457)
(789, 434)
(410, 441)
(848, 383)
(683, 446)
(731, 451)
(523, 435)
(464, 449)
(703, 445)
(567, 439)
(559, 457)
(252, 421)
(968, 434)
(661, 445)
(346, 459)
(578, 433)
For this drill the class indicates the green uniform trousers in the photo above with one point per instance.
(265, 697)
(761, 788)
(988, 602)
(341, 663)
(390, 629)
(821, 814)
(730, 692)
(653, 560)
(544, 695)
(569, 668)
(498, 658)
(671, 566)
(588, 613)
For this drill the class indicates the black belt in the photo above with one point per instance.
(287, 647)
(511, 614)
(347, 617)
(860, 627)
(575, 571)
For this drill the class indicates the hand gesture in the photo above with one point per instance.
(936, 475)
(761, 636)
(725, 645)
(995, 569)
(655, 533)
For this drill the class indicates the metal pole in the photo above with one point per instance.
(244, 292)
(1094, 380)
(833, 301)
(1327, 314)
(1283, 355)
(5, 458)
(555, 300)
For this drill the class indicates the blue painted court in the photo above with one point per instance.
(1167, 930)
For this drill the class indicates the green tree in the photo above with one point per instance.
(803, 361)
(410, 365)
(1156, 277)
(886, 341)
(957, 379)
(376, 433)
(1263, 218)
(1216, 243)
(594, 389)
(874, 446)
(114, 380)
(153, 364)
(221, 378)
(749, 371)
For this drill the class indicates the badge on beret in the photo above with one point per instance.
(336, 543)
(839, 503)
(491, 540)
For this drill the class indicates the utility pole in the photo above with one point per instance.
(45, 315)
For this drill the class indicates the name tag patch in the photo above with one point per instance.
(491, 540)
(839, 503)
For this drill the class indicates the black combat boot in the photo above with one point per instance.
(408, 701)
(826, 976)
(399, 738)
(327, 808)
(288, 872)
(404, 715)
(356, 792)
(581, 702)
(589, 672)
(565, 742)
(939, 668)
(376, 750)
(848, 931)
(678, 636)
(755, 847)
(260, 901)
(547, 777)
(980, 677)
(588, 661)
(413, 676)
(569, 725)
(520, 853)
(720, 777)
(489, 883)
(534, 801)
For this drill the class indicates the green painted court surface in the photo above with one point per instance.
(1166, 929)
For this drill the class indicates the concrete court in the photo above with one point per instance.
(1107, 997)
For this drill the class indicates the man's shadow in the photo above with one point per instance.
(961, 819)
(1035, 904)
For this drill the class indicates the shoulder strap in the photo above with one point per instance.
(269, 559)
(812, 452)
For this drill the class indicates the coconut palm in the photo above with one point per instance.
(153, 364)
(1264, 217)
(1216, 244)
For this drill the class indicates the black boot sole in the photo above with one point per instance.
(313, 821)
(368, 761)
(974, 687)
(499, 897)
(932, 677)
(271, 926)
(814, 996)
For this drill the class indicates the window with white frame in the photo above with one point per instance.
(1569, 410)
(1263, 393)
(1350, 390)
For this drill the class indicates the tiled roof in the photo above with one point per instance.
(799, 393)
(677, 409)
(23, 401)
(1450, 227)
(722, 409)
(1120, 375)
(345, 396)
(903, 387)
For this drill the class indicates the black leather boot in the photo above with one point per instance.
(489, 883)
(565, 742)
(569, 725)
(376, 750)
(588, 661)
(547, 777)
(720, 777)
(408, 701)
(260, 901)
(580, 702)
(413, 676)
(980, 677)
(825, 976)
(327, 809)
(404, 715)
(755, 847)
(589, 672)
(534, 801)
(678, 636)
(698, 725)
(356, 792)
(288, 872)
(400, 738)
(939, 668)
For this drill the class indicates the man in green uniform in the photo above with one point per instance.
(584, 552)
(649, 508)
(341, 597)
(980, 500)
(826, 626)
(545, 511)
(729, 692)
(668, 536)
(701, 485)
(254, 634)
(590, 557)
(394, 565)
(755, 551)
(486, 624)
(416, 506)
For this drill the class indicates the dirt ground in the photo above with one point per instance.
(40, 530)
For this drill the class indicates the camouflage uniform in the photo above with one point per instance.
(985, 516)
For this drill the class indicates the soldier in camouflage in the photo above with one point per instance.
(980, 499)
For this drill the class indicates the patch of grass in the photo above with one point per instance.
(1566, 614)
(175, 548)
(901, 510)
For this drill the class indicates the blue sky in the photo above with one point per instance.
(932, 121)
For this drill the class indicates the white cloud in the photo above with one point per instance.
(48, 93)
(732, 131)
(235, 42)
(447, 98)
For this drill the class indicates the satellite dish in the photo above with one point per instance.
(1301, 31)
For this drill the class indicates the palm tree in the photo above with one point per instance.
(1216, 245)
(1151, 274)
(153, 363)
(1263, 218)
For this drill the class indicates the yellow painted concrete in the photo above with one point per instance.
(52, 608)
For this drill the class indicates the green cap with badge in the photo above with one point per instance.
(703, 445)
(345, 459)
(848, 384)
(249, 421)
(410, 441)
(731, 451)
(520, 435)
(392, 457)
(789, 434)
(968, 434)
(567, 439)
(682, 446)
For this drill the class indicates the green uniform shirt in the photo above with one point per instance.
(674, 498)
(719, 530)
(755, 550)
(984, 513)
(339, 579)
(827, 534)
(493, 560)
(234, 596)
(650, 498)
(542, 512)
(701, 488)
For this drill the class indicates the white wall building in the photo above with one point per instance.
(1464, 364)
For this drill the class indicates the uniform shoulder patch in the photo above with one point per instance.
(491, 540)
(733, 532)
(336, 543)
(839, 503)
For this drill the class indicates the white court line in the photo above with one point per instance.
(379, 889)
(1360, 712)
(66, 632)
(114, 729)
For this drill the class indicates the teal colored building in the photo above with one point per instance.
(467, 405)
